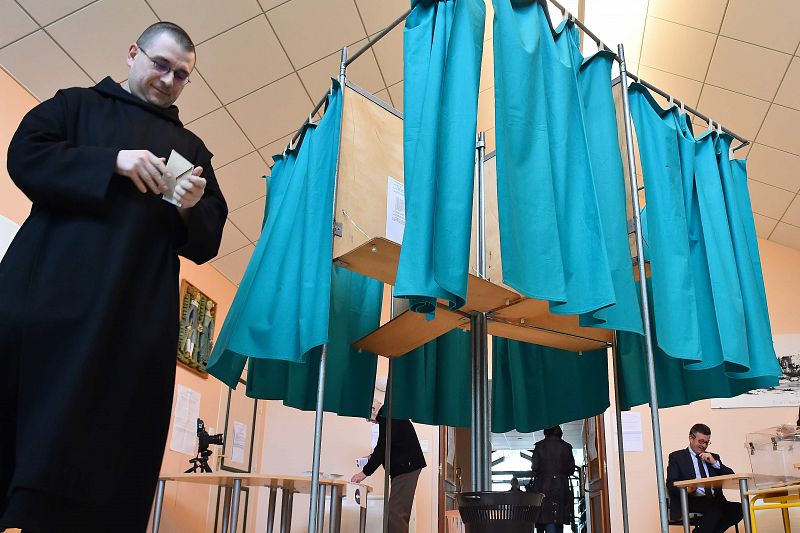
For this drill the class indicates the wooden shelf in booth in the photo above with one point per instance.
(409, 330)
(378, 258)
(536, 313)
(543, 337)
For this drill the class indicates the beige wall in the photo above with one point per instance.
(781, 266)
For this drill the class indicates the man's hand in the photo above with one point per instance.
(189, 190)
(145, 170)
(691, 488)
(358, 478)
(707, 457)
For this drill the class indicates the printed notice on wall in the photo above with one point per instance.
(395, 210)
(239, 438)
(184, 424)
(631, 431)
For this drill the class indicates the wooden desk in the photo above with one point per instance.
(728, 481)
(288, 485)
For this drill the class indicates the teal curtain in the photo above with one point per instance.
(677, 384)
(432, 385)
(536, 387)
(349, 374)
(443, 45)
(281, 308)
(552, 233)
(708, 294)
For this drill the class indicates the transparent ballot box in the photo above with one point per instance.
(775, 454)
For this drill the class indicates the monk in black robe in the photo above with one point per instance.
(89, 294)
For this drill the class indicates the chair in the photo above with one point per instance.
(674, 516)
(453, 520)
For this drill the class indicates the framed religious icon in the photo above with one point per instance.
(196, 336)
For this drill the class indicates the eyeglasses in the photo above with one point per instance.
(181, 76)
(702, 441)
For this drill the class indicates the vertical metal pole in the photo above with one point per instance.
(226, 510)
(362, 512)
(159, 504)
(748, 527)
(648, 339)
(335, 518)
(273, 494)
(321, 513)
(620, 447)
(387, 458)
(313, 509)
(286, 503)
(685, 509)
(481, 447)
(237, 492)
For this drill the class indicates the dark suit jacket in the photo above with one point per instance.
(406, 452)
(681, 468)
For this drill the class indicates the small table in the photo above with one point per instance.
(781, 495)
(728, 481)
(288, 485)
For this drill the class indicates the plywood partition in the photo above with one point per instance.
(494, 263)
(371, 151)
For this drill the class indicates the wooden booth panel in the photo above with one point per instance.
(371, 151)
(543, 337)
(537, 313)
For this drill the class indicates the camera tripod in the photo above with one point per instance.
(200, 463)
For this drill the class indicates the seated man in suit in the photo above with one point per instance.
(695, 462)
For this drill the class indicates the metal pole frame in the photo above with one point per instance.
(314, 504)
(480, 438)
(387, 457)
(648, 339)
(620, 448)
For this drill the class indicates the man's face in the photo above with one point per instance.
(699, 442)
(144, 79)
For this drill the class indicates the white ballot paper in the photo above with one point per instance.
(395, 210)
(184, 424)
(179, 168)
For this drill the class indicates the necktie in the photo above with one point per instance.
(700, 466)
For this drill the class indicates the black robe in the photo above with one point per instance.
(89, 311)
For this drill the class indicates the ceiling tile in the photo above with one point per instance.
(705, 15)
(490, 140)
(488, 31)
(787, 235)
(47, 11)
(232, 239)
(789, 92)
(678, 49)
(684, 89)
(222, 136)
(316, 36)
(737, 112)
(197, 99)
(768, 200)
(618, 21)
(203, 19)
(378, 15)
(52, 69)
(274, 148)
(249, 218)
(747, 68)
(486, 109)
(242, 181)
(780, 129)
(266, 5)
(274, 111)
(792, 215)
(768, 165)
(384, 96)
(98, 46)
(764, 225)
(363, 72)
(242, 59)
(233, 265)
(389, 52)
(771, 23)
(14, 23)
(396, 91)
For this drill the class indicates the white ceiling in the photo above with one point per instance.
(261, 66)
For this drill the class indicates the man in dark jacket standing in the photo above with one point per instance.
(552, 464)
(695, 462)
(89, 292)
(406, 463)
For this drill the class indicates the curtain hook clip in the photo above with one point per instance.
(671, 101)
(683, 109)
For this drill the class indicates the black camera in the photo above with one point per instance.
(204, 440)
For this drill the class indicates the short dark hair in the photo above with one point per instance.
(700, 428)
(555, 430)
(175, 31)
